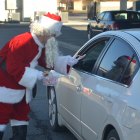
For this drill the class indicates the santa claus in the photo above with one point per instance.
(18, 59)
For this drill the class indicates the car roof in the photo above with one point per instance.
(132, 36)
(121, 11)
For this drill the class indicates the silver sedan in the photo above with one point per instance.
(100, 97)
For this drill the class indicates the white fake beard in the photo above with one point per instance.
(51, 52)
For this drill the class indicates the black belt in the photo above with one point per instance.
(2, 63)
(1, 59)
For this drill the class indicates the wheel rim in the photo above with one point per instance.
(52, 108)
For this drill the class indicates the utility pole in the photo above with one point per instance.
(123, 4)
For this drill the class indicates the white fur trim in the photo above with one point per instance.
(48, 22)
(28, 95)
(8, 95)
(2, 127)
(18, 123)
(37, 41)
(29, 78)
(34, 62)
(53, 25)
(61, 64)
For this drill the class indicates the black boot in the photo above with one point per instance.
(19, 132)
(1, 135)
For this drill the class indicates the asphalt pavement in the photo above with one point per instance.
(38, 128)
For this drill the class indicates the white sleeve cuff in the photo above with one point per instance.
(29, 78)
(40, 75)
(61, 64)
(17, 123)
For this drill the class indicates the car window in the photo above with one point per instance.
(134, 16)
(120, 63)
(120, 16)
(107, 16)
(131, 16)
(92, 53)
(100, 16)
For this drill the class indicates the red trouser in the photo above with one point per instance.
(18, 111)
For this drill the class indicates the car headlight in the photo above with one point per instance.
(130, 117)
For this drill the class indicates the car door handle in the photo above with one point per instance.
(71, 78)
(79, 88)
(109, 99)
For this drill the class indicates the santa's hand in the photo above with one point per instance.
(74, 60)
(46, 73)
(41, 75)
(51, 79)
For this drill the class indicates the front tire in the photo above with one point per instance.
(113, 135)
(52, 105)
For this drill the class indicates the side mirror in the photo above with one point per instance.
(97, 19)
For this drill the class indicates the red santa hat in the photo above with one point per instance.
(51, 22)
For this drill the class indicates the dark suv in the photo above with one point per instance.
(113, 20)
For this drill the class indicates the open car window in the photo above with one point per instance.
(92, 53)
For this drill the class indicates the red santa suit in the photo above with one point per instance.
(18, 75)
(20, 56)
(18, 59)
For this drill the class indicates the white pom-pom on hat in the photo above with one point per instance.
(51, 22)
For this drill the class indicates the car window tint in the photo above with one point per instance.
(87, 63)
(134, 16)
(119, 63)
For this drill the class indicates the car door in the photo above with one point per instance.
(97, 25)
(103, 22)
(106, 22)
(70, 100)
(83, 71)
(102, 88)
(70, 89)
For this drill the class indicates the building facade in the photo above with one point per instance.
(26, 10)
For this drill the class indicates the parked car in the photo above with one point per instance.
(100, 98)
(113, 20)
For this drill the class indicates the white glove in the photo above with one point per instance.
(40, 75)
(51, 79)
(74, 60)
